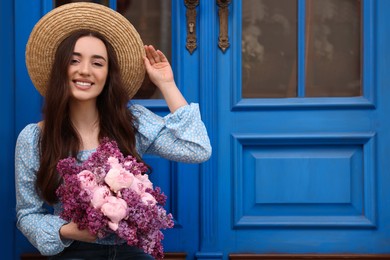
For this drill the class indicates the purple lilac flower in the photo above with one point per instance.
(143, 222)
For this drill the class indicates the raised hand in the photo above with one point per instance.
(160, 73)
(158, 67)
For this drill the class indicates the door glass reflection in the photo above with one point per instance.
(152, 19)
(333, 51)
(269, 48)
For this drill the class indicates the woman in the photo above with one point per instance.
(96, 62)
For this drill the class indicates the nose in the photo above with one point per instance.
(84, 68)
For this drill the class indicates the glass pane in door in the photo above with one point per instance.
(152, 19)
(269, 48)
(333, 48)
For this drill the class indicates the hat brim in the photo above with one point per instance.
(59, 23)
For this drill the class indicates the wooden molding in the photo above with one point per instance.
(32, 256)
(175, 256)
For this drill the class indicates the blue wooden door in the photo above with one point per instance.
(296, 169)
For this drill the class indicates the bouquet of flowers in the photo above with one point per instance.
(111, 193)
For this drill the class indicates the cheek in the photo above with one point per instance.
(103, 77)
(71, 71)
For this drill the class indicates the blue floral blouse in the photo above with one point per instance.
(180, 136)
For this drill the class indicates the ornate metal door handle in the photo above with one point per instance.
(223, 12)
(191, 24)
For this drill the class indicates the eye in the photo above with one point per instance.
(98, 64)
(74, 61)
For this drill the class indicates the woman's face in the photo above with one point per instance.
(88, 69)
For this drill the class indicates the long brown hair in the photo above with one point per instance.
(59, 138)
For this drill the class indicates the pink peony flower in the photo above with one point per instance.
(137, 186)
(87, 180)
(114, 163)
(113, 226)
(119, 179)
(148, 199)
(115, 209)
(99, 196)
(144, 178)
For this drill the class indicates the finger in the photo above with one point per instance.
(154, 53)
(149, 55)
(147, 63)
(162, 56)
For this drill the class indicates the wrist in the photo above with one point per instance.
(63, 232)
(163, 86)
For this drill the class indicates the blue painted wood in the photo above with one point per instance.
(304, 180)
(369, 41)
(381, 74)
(184, 178)
(112, 4)
(7, 136)
(47, 5)
(305, 175)
(208, 49)
(27, 101)
(209, 256)
(305, 103)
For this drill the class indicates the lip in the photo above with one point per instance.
(82, 84)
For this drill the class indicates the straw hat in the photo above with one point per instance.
(58, 24)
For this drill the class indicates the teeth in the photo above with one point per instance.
(83, 83)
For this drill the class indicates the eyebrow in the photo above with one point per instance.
(93, 56)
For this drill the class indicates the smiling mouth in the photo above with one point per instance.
(83, 84)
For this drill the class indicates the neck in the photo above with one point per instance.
(84, 116)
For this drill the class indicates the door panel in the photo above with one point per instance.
(301, 175)
(295, 181)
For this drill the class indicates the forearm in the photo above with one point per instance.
(72, 232)
(172, 96)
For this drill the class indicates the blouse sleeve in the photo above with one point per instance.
(180, 136)
(39, 226)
